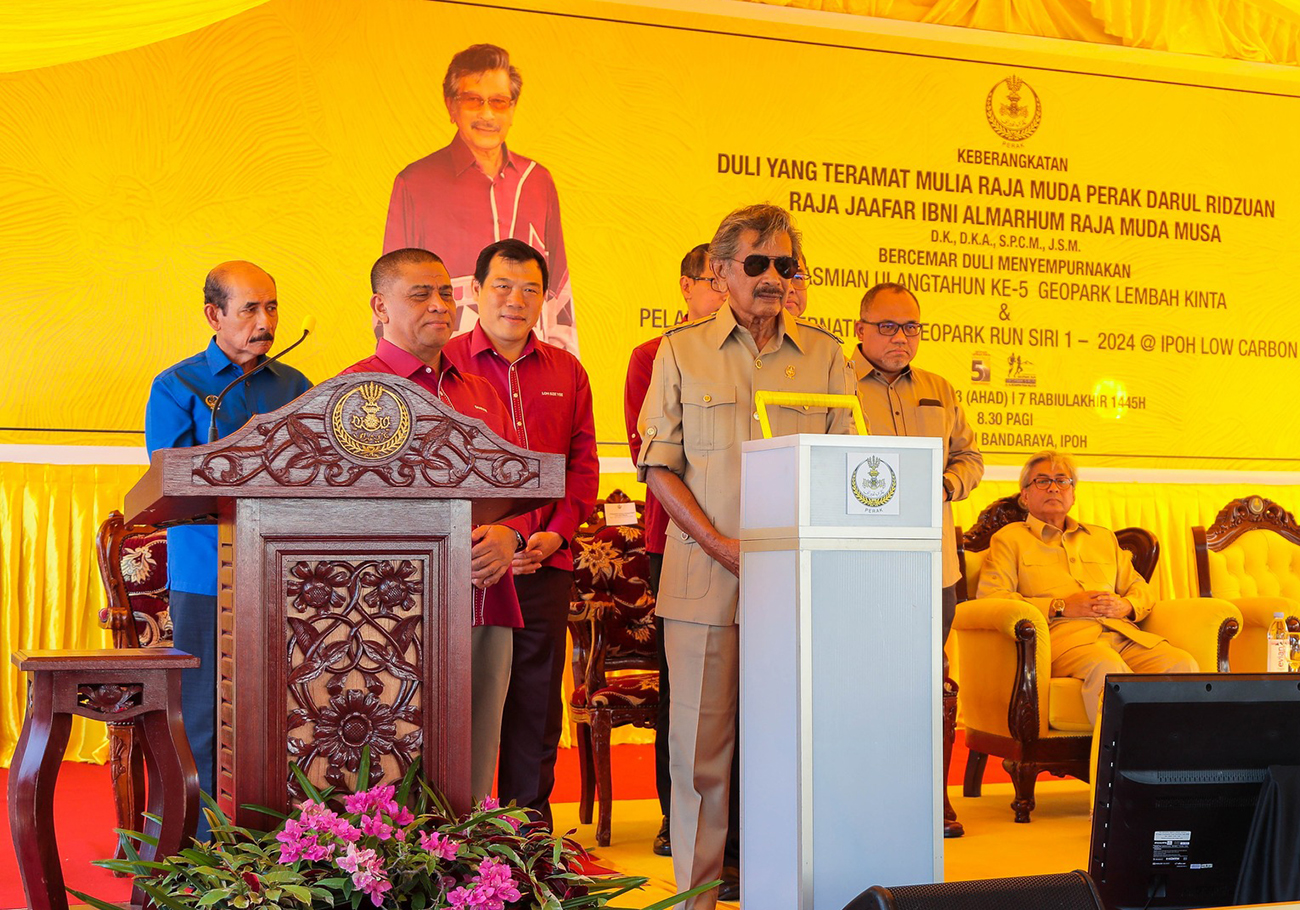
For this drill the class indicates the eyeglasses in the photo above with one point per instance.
(710, 280)
(800, 280)
(471, 102)
(757, 264)
(1044, 483)
(910, 329)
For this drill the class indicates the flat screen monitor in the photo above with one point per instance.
(1179, 769)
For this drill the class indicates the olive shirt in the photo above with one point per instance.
(700, 408)
(1032, 561)
(919, 403)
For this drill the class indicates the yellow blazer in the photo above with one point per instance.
(1037, 563)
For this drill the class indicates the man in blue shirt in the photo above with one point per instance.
(239, 301)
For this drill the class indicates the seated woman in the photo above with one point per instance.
(1081, 579)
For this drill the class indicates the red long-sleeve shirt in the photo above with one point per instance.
(639, 368)
(498, 605)
(548, 396)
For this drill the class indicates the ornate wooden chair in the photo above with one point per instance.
(1250, 556)
(615, 663)
(1006, 651)
(133, 567)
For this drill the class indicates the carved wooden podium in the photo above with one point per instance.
(344, 596)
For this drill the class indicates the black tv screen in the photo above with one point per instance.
(1179, 770)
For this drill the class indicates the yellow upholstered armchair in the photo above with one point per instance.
(1012, 706)
(1250, 556)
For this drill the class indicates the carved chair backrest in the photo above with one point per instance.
(611, 585)
(1252, 549)
(1140, 543)
(133, 567)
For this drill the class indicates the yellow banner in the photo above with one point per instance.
(1103, 242)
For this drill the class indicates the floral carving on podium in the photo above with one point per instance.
(354, 646)
(106, 699)
(298, 450)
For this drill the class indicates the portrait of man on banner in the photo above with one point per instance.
(476, 191)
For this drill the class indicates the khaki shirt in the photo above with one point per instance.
(1037, 563)
(700, 408)
(919, 403)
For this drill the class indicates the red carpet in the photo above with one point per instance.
(83, 815)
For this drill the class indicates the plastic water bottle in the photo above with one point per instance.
(1279, 646)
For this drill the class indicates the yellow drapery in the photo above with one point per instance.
(1266, 31)
(50, 592)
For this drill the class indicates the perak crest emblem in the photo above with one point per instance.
(370, 421)
(1014, 109)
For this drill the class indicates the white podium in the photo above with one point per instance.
(840, 688)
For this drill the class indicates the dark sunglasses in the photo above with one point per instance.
(756, 265)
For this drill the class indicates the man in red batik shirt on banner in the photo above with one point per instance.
(476, 191)
(700, 291)
(549, 399)
(413, 302)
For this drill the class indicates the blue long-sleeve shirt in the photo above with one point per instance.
(178, 414)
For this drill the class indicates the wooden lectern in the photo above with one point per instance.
(344, 596)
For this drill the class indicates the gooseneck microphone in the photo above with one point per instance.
(308, 325)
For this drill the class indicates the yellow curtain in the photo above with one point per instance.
(50, 592)
(1265, 31)
(36, 33)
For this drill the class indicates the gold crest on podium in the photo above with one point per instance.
(370, 421)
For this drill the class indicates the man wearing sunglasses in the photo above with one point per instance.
(702, 297)
(698, 411)
(1081, 579)
(476, 191)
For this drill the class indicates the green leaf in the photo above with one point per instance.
(93, 901)
(299, 893)
(363, 772)
(212, 897)
(685, 895)
(307, 786)
(160, 898)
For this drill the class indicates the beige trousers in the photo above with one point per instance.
(1112, 652)
(490, 651)
(704, 663)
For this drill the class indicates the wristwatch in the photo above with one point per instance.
(1056, 609)
(520, 543)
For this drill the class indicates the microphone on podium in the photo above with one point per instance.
(308, 326)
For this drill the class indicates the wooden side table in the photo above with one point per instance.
(139, 686)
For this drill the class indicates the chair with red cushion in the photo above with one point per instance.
(133, 567)
(615, 662)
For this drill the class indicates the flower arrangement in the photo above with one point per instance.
(389, 846)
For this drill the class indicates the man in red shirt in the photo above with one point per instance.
(549, 398)
(700, 292)
(476, 191)
(413, 301)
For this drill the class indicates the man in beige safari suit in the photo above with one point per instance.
(697, 412)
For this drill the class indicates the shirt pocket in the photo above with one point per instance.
(932, 420)
(797, 418)
(1098, 573)
(687, 570)
(708, 416)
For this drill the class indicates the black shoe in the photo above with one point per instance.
(729, 890)
(663, 845)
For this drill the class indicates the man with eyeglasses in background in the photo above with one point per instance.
(797, 300)
(476, 191)
(702, 297)
(901, 400)
(1082, 580)
(697, 412)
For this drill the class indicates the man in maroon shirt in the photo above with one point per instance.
(700, 292)
(413, 301)
(549, 399)
(475, 191)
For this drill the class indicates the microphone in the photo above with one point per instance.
(308, 325)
